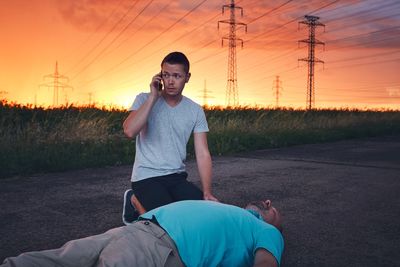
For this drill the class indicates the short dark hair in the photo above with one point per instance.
(177, 58)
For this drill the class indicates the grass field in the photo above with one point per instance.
(43, 140)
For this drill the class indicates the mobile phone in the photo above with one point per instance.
(160, 86)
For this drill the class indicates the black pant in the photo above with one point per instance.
(161, 190)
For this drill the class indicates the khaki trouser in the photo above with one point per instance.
(140, 244)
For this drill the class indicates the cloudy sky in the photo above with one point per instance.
(107, 51)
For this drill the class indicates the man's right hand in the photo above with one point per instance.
(155, 85)
(209, 196)
(137, 119)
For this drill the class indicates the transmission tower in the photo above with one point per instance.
(312, 22)
(277, 90)
(90, 94)
(206, 94)
(57, 81)
(232, 95)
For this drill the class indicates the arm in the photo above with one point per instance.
(137, 119)
(264, 259)
(204, 164)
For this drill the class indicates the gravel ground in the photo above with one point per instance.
(340, 201)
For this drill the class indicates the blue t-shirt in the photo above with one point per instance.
(209, 233)
(161, 146)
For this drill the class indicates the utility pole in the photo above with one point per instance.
(57, 82)
(232, 95)
(206, 94)
(277, 90)
(312, 22)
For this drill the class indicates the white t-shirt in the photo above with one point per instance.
(161, 147)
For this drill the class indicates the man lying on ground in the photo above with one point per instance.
(184, 233)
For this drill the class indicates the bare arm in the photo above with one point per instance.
(264, 259)
(204, 164)
(137, 119)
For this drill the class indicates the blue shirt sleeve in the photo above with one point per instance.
(271, 239)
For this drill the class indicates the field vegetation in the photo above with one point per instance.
(35, 139)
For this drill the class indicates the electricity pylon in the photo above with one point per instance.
(57, 82)
(312, 22)
(277, 90)
(232, 95)
(206, 94)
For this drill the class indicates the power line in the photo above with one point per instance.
(269, 12)
(115, 38)
(363, 34)
(364, 12)
(93, 34)
(183, 35)
(104, 37)
(156, 15)
(187, 35)
(364, 57)
(291, 21)
(365, 63)
(208, 57)
(253, 20)
(263, 33)
(147, 44)
(269, 62)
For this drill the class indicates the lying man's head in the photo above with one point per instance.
(269, 213)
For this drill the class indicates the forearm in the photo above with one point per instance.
(204, 165)
(136, 120)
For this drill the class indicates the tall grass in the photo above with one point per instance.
(37, 139)
(246, 129)
(42, 140)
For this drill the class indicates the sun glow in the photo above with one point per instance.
(108, 52)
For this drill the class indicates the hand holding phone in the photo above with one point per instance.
(157, 82)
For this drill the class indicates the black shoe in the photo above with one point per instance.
(129, 213)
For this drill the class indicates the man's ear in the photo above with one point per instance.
(268, 203)
(188, 77)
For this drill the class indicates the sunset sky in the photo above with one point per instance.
(110, 49)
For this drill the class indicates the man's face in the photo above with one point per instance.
(174, 78)
(269, 213)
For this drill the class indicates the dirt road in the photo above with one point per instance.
(340, 201)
